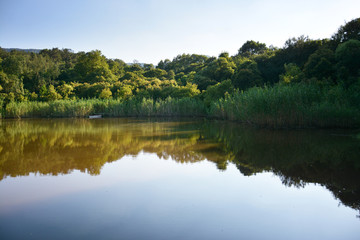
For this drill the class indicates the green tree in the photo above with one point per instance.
(40, 70)
(247, 75)
(124, 92)
(32, 96)
(347, 56)
(292, 74)
(14, 64)
(251, 48)
(92, 67)
(65, 90)
(296, 50)
(155, 73)
(321, 64)
(170, 75)
(163, 64)
(203, 82)
(351, 30)
(218, 91)
(184, 63)
(117, 67)
(55, 54)
(220, 69)
(190, 90)
(105, 93)
(12, 87)
(50, 94)
(182, 79)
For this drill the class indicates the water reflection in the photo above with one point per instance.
(53, 147)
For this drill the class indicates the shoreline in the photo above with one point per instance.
(206, 118)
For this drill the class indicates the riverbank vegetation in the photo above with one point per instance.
(306, 83)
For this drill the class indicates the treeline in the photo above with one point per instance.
(330, 65)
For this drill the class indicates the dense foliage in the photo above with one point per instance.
(327, 65)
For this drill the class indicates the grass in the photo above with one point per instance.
(298, 105)
(295, 106)
(109, 108)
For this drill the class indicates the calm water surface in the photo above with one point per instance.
(156, 179)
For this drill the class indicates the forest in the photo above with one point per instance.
(306, 83)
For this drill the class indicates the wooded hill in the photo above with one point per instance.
(55, 74)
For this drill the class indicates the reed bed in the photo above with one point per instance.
(280, 106)
(298, 105)
(169, 107)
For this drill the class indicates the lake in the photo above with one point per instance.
(176, 179)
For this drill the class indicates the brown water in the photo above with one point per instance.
(157, 179)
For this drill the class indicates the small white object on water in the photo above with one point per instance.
(95, 116)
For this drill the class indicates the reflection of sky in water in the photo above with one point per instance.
(145, 179)
(144, 197)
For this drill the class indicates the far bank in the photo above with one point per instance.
(280, 106)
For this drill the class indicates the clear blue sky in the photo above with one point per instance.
(151, 30)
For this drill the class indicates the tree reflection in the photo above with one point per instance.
(328, 158)
(298, 157)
